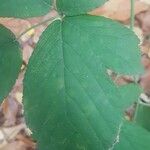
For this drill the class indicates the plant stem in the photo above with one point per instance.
(35, 26)
(136, 111)
(132, 15)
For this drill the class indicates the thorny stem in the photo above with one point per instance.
(132, 15)
(36, 25)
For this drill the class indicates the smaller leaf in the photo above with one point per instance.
(10, 61)
(24, 8)
(76, 7)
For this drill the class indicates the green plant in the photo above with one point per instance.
(70, 102)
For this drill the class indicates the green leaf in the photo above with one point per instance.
(10, 61)
(70, 102)
(24, 8)
(76, 7)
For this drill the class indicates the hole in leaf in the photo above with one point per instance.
(121, 80)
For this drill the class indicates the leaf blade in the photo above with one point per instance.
(77, 7)
(81, 91)
(24, 8)
(10, 61)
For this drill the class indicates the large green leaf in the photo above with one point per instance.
(70, 102)
(10, 61)
(24, 8)
(76, 7)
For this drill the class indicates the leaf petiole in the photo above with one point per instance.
(37, 25)
(132, 15)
